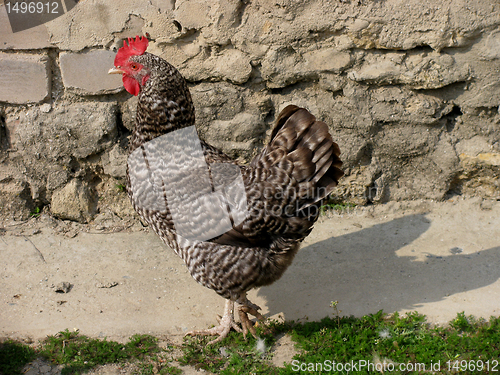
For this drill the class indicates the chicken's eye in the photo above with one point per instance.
(134, 66)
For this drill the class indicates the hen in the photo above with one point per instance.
(236, 227)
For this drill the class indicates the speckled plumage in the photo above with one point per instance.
(285, 185)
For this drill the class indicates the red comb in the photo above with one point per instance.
(134, 47)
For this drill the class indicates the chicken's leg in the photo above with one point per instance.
(225, 324)
(246, 307)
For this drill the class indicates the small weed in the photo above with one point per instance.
(36, 212)
(157, 365)
(120, 187)
(334, 305)
(463, 323)
(337, 207)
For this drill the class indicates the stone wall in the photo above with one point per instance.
(411, 91)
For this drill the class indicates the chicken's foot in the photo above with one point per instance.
(246, 307)
(225, 324)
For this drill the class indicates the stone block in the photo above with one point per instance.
(327, 60)
(74, 202)
(15, 196)
(87, 72)
(102, 23)
(71, 131)
(114, 162)
(233, 65)
(433, 71)
(192, 14)
(25, 78)
(34, 38)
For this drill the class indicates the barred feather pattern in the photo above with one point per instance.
(285, 185)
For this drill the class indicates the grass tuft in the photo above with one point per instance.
(36, 212)
(406, 339)
(379, 338)
(13, 356)
(339, 208)
(233, 355)
(80, 353)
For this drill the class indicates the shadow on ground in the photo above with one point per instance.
(362, 271)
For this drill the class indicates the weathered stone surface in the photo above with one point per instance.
(491, 49)
(56, 177)
(474, 146)
(87, 72)
(77, 131)
(411, 91)
(34, 38)
(193, 14)
(236, 135)
(218, 100)
(74, 202)
(301, 67)
(417, 71)
(128, 111)
(393, 104)
(484, 88)
(114, 162)
(272, 68)
(25, 78)
(217, 64)
(327, 60)
(48, 149)
(427, 176)
(15, 198)
(224, 122)
(102, 23)
(480, 175)
(489, 159)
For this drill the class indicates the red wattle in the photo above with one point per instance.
(131, 85)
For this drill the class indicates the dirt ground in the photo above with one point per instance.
(437, 258)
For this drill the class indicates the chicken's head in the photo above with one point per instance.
(134, 73)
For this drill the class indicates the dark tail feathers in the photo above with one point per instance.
(304, 148)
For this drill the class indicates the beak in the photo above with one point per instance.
(115, 70)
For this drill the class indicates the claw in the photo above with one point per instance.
(222, 330)
(226, 322)
(246, 307)
(246, 324)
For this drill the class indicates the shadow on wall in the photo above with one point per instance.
(362, 271)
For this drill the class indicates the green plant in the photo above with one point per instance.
(233, 355)
(80, 353)
(336, 207)
(334, 305)
(36, 212)
(464, 346)
(13, 356)
(395, 340)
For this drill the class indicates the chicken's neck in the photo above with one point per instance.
(164, 105)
